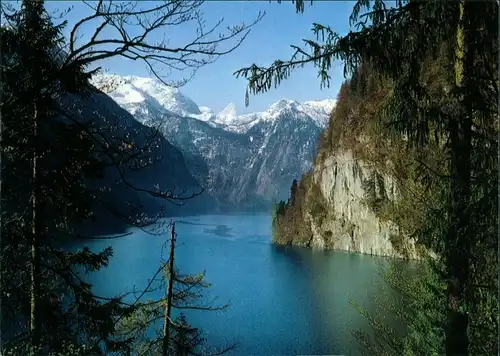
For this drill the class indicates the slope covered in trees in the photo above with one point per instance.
(439, 59)
(357, 125)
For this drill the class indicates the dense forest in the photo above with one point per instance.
(420, 103)
(68, 159)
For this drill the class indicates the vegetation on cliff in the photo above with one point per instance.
(359, 124)
(286, 213)
(438, 63)
(288, 217)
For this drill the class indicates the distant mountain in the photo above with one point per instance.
(244, 161)
(168, 171)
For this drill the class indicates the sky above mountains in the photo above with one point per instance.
(214, 85)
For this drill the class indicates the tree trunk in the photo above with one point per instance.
(168, 307)
(460, 233)
(35, 248)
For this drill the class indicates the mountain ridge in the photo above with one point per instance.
(167, 171)
(129, 90)
(245, 161)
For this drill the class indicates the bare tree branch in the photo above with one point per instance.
(205, 47)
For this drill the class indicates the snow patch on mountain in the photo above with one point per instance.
(318, 111)
(227, 115)
(244, 160)
(282, 104)
(206, 114)
(130, 90)
(135, 93)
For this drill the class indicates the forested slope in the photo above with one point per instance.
(362, 194)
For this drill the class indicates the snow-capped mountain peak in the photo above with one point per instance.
(241, 160)
(144, 94)
(206, 114)
(227, 116)
(282, 104)
(205, 110)
(128, 91)
(319, 110)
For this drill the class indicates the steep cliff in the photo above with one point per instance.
(351, 223)
(337, 213)
(362, 194)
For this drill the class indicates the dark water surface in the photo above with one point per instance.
(284, 300)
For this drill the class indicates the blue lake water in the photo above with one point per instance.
(284, 300)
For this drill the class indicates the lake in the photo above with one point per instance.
(284, 300)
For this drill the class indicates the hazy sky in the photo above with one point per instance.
(214, 85)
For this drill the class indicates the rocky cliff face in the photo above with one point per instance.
(359, 195)
(350, 223)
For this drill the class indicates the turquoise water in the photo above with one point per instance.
(283, 300)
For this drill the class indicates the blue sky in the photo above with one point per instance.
(214, 85)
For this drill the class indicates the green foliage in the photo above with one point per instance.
(413, 300)
(186, 340)
(141, 325)
(288, 223)
(358, 124)
(72, 156)
(279, 210)
(293, 192)
(317, 203)
(53, 163)
(66, 349)
(398, 243)
(33, 131)
(441, 109)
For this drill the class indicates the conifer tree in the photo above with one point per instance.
(181, 293)
(53, 163)
(33, 135)
(396, 41)
(293, 192)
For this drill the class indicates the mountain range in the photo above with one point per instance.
(244, 162)
(127, 194)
